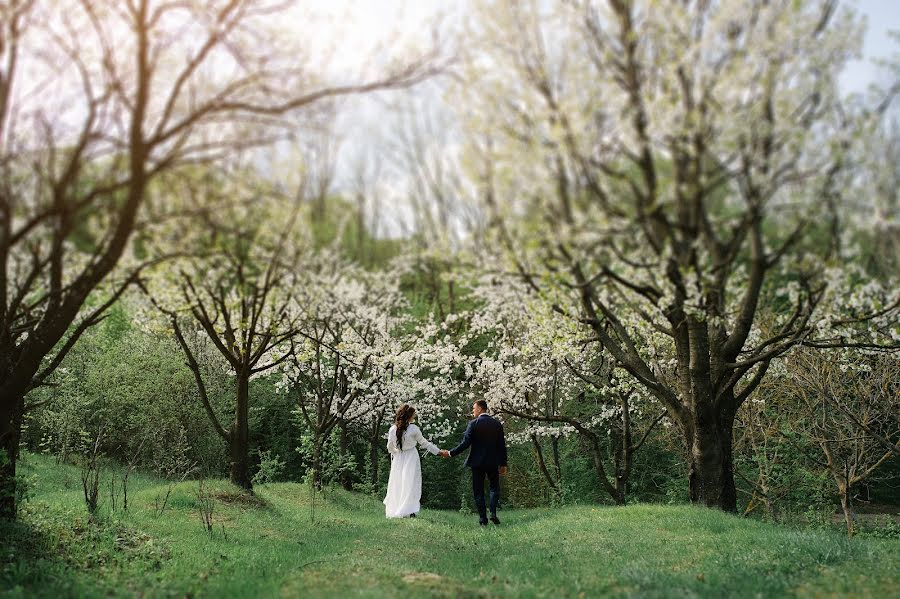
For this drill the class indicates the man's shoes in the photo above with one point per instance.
(483, 522)
(412, 515)
(495, 519)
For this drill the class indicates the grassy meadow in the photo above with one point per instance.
(287, 543)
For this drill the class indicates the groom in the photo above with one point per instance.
(486, 458)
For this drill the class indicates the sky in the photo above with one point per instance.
(364, 21)
(366, 123)
(882, 16)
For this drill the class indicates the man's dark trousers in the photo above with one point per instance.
(493, 476)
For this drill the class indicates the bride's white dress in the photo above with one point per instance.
(405, 482)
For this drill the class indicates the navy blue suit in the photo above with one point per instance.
(488, 452)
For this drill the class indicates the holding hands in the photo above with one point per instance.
(444, 453)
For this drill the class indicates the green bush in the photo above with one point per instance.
(270, 468)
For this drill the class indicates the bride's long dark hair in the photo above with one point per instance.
(401, 420)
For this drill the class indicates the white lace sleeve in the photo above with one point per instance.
(392, 441)
(425, 443)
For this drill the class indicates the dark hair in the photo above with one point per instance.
(481, 404)
(401, 420)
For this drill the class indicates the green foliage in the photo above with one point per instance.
(21, 486)
(335, 463)
(24, 488)
(136, 386)
(270, 469)
(444, 482)
(273, 428)
(883, 527)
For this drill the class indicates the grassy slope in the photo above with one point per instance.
(275, 550)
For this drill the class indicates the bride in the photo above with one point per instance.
(405, 482)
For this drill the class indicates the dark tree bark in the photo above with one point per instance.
(375, 439)
(239, 436)
(346, 476)
(374, 457)
(542, 465)
(847, 508)
(10, 425)
(711, 472)
(557, 466)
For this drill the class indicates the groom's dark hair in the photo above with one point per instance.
(481, 404)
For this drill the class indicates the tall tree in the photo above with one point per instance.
(669, 164)
(237, 290)
(140, 88)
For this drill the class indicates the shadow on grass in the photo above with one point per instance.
(30, 561)
(242, 499)
(50, 553)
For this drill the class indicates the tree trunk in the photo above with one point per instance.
(617, 495)
(374, 456)
(317, 462)
(346, 479)
(542, 465)
(771, 508)
(847, 507)
(375, 439)
(239, 437)
(10, 423)
(554, 444)
(621, 490)
(711, 476)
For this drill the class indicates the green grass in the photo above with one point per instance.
(271, 548)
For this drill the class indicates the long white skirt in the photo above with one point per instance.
(404, 485)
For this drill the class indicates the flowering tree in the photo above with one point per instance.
(359, 355)
(140, 89)
(663, 168)
(238, 289)
(348, 318)
(423, 367)
(536, 369)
